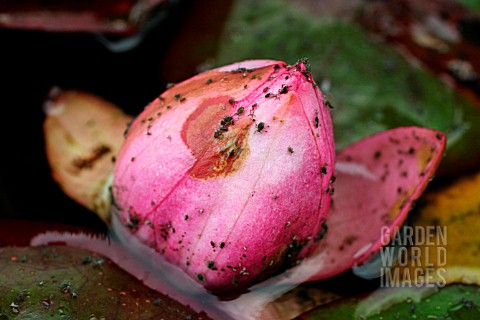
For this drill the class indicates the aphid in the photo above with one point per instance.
(323, 170)
(284, 89)
(126, 129)
(226, 120)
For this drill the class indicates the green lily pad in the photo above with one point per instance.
(370, 85)
(60, 282)
(450, 302)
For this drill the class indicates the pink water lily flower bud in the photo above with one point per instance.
(228, 174)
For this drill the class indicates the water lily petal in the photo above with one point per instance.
(378, 179)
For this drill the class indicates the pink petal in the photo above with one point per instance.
(378, 179)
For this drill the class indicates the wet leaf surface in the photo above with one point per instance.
(69, 283)
(451, 302)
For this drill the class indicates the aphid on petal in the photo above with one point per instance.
(219, 158)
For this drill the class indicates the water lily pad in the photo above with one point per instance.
(69, 283)
(451, 302)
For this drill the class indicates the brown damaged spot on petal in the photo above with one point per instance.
(215, 156)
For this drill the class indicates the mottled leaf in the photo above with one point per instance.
(59, 282)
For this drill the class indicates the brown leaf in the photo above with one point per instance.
(82, 135)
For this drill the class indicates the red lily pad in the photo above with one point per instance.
(378, 179)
